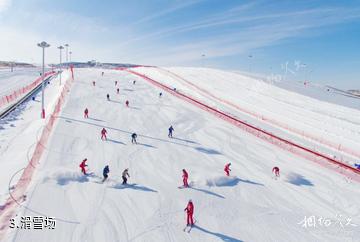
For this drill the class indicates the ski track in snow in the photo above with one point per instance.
(249, 206)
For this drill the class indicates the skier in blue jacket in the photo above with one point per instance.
(106, 172)
(171, 129)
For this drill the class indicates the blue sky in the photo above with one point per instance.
(323, 36)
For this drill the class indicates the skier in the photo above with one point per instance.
(83, 165)
(125, 174)
(160, 94)
(127, 103)
(106, 173)
(94, 83)
(227, 169)
(276, 171)
(117, 90)
(108, 97)
(103, 134)
(357, 166)
(133, 138)
(185, 178)
(190, 211)
(102, 73)
(134, 82)
(171, 129)
(115, 83)
(86, 113)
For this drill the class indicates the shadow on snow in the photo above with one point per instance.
(207, 192)
(298, 180)
(207, 151)
(133, 186)
(223, 237)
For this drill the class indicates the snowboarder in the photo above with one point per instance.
(133, 138)
(190, 211)
(185, 178)
(125, 174)
(134, 82)
(83, 165)
(171, 129)
(94, 83)
(117, 90)
(108, 97)
(86, 113)
(227, 169)
(127, 103)
(106, 173)
(103, 134)
(276, 171)
(160, 94)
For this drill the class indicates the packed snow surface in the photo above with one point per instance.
(250, 205)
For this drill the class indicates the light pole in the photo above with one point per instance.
(70, 55)
(67, 46)
(43, 45)
(60, 48)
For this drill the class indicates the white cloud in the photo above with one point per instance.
(4, 4)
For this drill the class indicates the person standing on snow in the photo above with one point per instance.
(86, 113)
(190, 211)
(357, 166)
(125, 174)
(94, 83)
(117, 90)
(227, 169)
(115, 83)
(83, 165)
(160, 94)
(171, 129)
(134, 82)
(185, 177)
(106, 173)
(133, 138)
(103, 134)
(108, 97)
(276, 171)
(127, 103)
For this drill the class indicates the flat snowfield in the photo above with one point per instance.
(11, 81)
(248, 206)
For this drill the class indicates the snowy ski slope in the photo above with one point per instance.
(10, 81)
(249, 206)
(327, 127)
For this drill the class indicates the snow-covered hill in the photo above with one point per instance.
(248, 206)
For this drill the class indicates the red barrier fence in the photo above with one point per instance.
(15, 95)
(332, 144)
(294, 148)
(7, 211)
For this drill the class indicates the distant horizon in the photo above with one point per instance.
(230, 70)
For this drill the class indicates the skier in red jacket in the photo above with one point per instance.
(82, 166)
(227, 169)
(190, 211)
(103, 134)
(185, 178)
(86, 113)
(276, 171)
